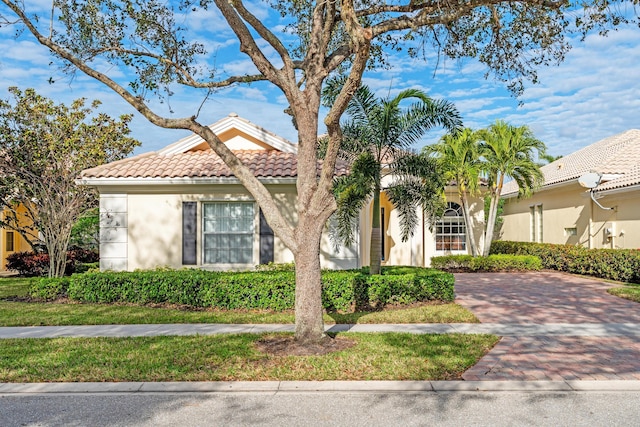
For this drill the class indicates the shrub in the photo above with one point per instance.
(28, 264)
(492, 263)
(272, 266)
(272, 290)
(49, 288)
(615, 264)
(31, 264)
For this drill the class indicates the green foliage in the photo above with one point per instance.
(614, 264)
(377, 140)
(491, 263)
(509, 152)
(45, 146)
(343, 291)
(49, 288)
(85, 233)
(273, 266)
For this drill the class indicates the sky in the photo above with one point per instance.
(593, 94)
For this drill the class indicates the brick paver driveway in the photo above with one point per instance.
(550, 298)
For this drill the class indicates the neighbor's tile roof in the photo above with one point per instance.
(201, 164)
(617, 155)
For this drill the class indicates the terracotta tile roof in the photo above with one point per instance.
(201, 164)
(616, 155)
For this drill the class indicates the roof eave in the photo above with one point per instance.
(123, 182)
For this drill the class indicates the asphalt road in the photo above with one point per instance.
(323, 409)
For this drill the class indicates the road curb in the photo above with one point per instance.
(319, 387)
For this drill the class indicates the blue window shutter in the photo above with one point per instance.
(189, 233)
(266, 241)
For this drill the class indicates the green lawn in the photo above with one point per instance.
(14, 313)
(389, 356)
(631, 292)
(14, 286)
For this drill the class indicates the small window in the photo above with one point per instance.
(9, 243)
(571, 231)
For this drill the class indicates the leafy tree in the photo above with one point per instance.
(43, 148)
(458, 157)
(145, 41)
(377, 138)
(85, 233)
(508, 151)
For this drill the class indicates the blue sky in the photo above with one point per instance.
(593, 94)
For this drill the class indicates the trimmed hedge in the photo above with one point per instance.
(614, 264)
(491, 263)
(49, 288)
(273, 290)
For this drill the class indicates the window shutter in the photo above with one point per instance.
(266, 241)
(189, 232)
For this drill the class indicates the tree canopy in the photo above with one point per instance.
(43, 148)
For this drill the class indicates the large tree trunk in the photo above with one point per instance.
(315, 205)
(308, 305)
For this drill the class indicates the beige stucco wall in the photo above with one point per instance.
(569, 206)
(421, 247)
(624, 221)
(563, 207)
(151, 235)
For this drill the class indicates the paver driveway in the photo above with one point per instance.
(545, 298)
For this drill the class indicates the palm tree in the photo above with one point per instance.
(508, 151)
(377, 138)
(458, 159)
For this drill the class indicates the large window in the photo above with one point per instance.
(228, 232)
(451, 232)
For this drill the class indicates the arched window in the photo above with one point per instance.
(451, 231)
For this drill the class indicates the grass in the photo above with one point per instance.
(389, 356)
(631, 292)
(61, 314)
(14, 287)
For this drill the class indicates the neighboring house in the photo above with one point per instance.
(563, 211)
(182, 207)
(10, 242)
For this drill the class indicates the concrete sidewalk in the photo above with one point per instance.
(505, 330)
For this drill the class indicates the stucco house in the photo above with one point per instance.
(182, 207)
(603, 212)
(11, 241)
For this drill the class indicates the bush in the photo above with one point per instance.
(49, 288)
(614, 264)
(492, 263)
(28, 264)
(272, 290)
(32, 264)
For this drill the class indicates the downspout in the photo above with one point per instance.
(590, 230)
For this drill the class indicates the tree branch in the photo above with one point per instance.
(246, 177)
